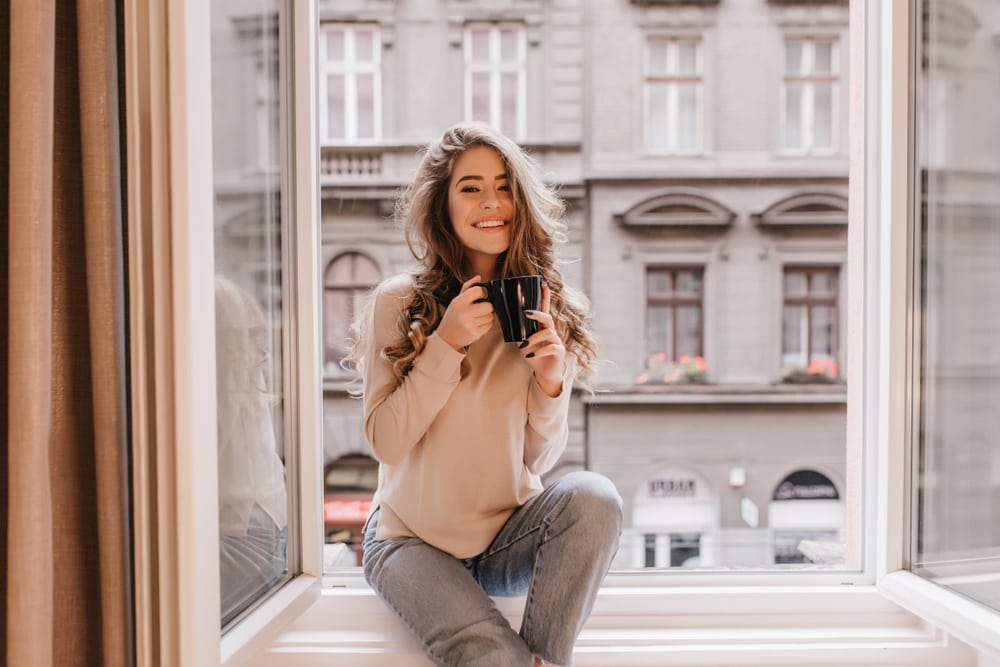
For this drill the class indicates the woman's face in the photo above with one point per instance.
(481, 207)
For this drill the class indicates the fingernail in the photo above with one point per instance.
(529, 355)
(529, 312)
(523, 344)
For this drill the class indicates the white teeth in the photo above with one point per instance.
(489, 223)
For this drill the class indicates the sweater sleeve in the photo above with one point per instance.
(396, 419)
(547, 430)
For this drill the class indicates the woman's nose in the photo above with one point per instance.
(490, 200)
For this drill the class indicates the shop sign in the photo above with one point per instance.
(672, 488)
(806, 485)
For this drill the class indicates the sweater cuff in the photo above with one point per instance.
(540, 403)
(439, 360)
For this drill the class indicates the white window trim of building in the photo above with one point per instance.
(672, 78)
(495, 68)
(808, 110)
(350, 69)
(640, 618)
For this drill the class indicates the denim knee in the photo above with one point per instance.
(594, 499)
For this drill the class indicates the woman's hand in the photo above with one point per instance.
(544, 350)
(467, 317)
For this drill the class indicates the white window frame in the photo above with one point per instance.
(495, 68)
(350, 69)
(809, 110)
(672, 78)
(171, 191)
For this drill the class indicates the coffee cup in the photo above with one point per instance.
(510, 298)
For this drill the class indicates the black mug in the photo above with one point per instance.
(510, 298)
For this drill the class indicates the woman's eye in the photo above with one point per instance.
(470, 188)
(505, 188)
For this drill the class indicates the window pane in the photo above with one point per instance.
(480, 41)
(793, 115)
(658, 58)
(795, 283)
(687, 117)
(366, 106)
(481, 96)
(822, 115)
(250, 305)
(823, 57)
(657, 119)
(508, 45)
(687, 57)
(658, 283)
(364, 45)
(508, 103)
(335, 45)
(821, 283)
(689, 283)
(822, 332)
(688, 331)
(658, 331)
(794, 62)
(956, 490)
(336, 121)
(794, 332)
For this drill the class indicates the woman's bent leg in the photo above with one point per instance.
(436, 596)
(562, 541)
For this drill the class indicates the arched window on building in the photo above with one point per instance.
(674, 509)
(347, 278)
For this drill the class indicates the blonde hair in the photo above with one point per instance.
(535, 230)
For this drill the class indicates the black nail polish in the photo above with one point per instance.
(529, 355)
(523, 344)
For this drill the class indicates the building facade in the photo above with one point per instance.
(702, 151)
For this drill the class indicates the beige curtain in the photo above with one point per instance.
(64, 547)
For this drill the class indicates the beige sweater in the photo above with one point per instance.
(456, 457)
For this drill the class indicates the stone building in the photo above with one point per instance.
(702, 151)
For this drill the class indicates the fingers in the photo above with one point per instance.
(546, 298)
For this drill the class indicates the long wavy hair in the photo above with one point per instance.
(442, 267)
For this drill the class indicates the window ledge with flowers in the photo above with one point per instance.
(687, 380)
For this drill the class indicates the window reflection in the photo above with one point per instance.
(957, 491)
(250, 286)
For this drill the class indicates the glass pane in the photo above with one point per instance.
(481, 96)
(687, 57)
(689, 283)
(340, 272)
(687, 117)
(658, 58)
(336, 121)
(821, 283)
(337, 314)
(794, 337)
(658, 331)
(479, 40)
(794, 64)
(366, 106)
(823, 57)
(335, 48)
(657, 118)
(795, 283)
(364, 45)
(822, 332)
(793, 115)
(250, 285)
(365, 271)
(956, 495)
(659, 283)
(822, 115)
(508, 45)
(508, 103)
(688, 331)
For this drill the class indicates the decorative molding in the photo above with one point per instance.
(805, 209)
(677, 209)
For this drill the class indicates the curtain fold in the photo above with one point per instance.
(65, 550)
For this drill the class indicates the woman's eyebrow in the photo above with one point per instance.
(475, 177)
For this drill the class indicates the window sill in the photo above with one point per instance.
(653, 625)
(720, 394)
(974, 623)
(253, 634)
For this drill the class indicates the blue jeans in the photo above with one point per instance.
(555, 549)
